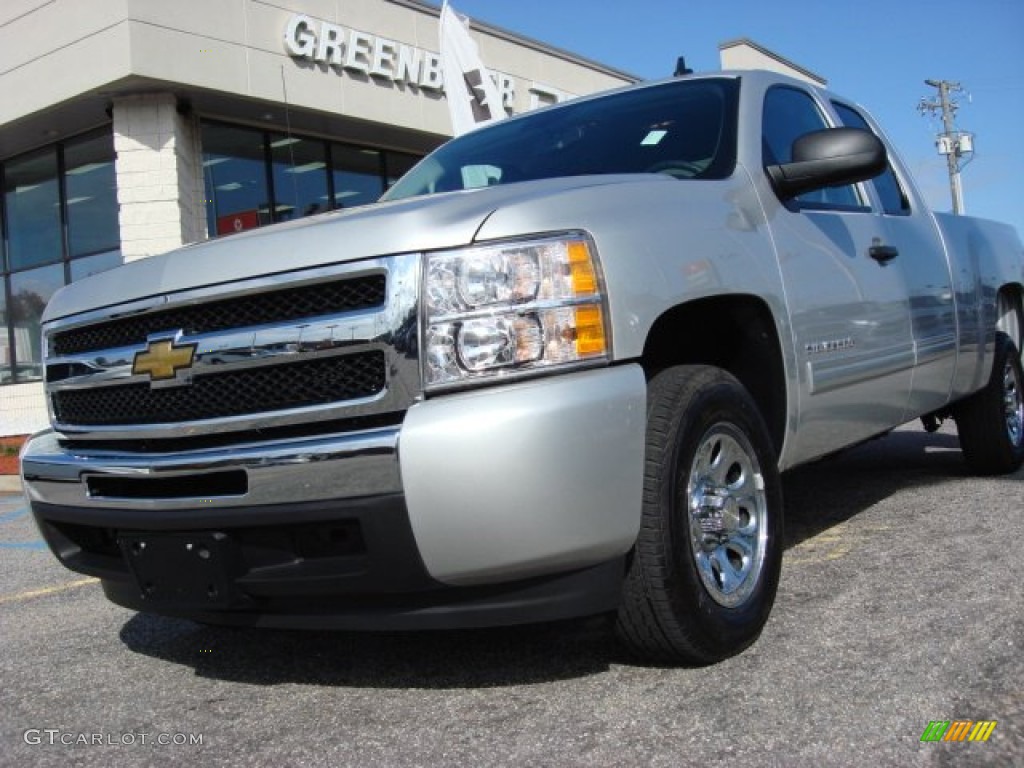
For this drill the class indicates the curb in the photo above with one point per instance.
(10, 484)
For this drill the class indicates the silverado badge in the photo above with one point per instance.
(162, 359)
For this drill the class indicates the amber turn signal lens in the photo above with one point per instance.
(590, 331)
(581, 268)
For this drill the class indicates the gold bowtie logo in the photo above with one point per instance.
(162, 360)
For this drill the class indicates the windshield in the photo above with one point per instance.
(686, 129)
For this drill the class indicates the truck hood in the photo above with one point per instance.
(434, 222)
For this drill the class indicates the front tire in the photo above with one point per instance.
(990, 423)
(704, 572)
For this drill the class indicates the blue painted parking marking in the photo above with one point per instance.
(31, 545)
(6, 517)
(14, 515)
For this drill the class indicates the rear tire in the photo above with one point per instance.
(704, 572)
(990, 423)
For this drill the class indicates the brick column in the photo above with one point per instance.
(159, 175)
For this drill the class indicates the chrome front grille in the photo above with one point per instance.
(257, 390)
(329, 298)
(314, 347)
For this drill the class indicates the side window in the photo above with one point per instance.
(789, 113)
(894, 200)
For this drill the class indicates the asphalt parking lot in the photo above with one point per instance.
(901, 603)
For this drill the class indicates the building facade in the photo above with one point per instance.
(744, 53)
(131, 127)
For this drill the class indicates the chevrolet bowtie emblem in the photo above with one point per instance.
(162, 360)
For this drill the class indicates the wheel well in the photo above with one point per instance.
(1010, 313)
(735, 333)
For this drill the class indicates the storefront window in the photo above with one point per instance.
(32, 207)
(398, 164)
(252, 178)
(92, 265)
(91, 188)
(248, 171)
(6, 374)
(357, 175)
(36, 211)
(235, 169)
(300, 177)
(30, 291)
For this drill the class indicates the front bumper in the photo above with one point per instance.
(514, 503)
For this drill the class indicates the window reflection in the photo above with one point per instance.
(894, 200)
(398, 164)
(92, 265)
(309, 175)
(30, 291)
(234, 168)
(357, 175)
(91, 189)
(300, 177)
(32, 206)
(6, 374)
(789, 114)
(37, 210)
(247, 170)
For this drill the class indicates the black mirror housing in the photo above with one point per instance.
(833, 157)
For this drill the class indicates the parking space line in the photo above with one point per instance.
(57, 588)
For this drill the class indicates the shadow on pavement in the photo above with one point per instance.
(825, 493)
(480, 658)
(818, 497)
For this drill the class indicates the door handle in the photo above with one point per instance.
(883, 254)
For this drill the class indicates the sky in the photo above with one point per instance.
(878, 53)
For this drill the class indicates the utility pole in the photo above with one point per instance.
(952, 143)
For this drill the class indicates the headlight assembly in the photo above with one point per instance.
(513, 307)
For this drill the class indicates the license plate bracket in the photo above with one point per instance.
(194, 570)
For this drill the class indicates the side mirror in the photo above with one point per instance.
(833, 157)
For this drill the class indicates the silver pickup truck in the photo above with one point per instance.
(555, 372)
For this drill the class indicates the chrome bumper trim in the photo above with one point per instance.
(283, 471)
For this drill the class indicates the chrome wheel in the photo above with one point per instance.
(991, 421)
(703, 575)
(728, 508)
(1013, 405)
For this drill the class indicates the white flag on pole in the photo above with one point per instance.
(473, 99)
